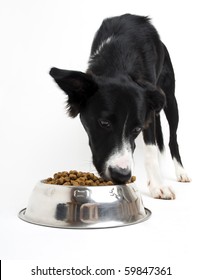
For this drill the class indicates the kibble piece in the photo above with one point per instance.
(56, 176)
(90, 176)
(72, 176)
(49, 179)
(109, 183)
(61, 181)
(81, 182)
(97, 182)
(64, 174)
(73, 172)
(79, 174)
(53, 182)
(66, 178)
(133, 179)
(89, 182)
(74, 183)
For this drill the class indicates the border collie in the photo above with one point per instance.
(129, 80)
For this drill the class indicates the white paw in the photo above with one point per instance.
(162, 192)
(180, 172)
(183, 177)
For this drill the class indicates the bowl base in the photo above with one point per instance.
(81, 225)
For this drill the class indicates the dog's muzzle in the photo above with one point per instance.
(119, 175)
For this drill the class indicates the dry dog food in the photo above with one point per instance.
(78, 178)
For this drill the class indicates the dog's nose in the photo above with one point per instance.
(119, 175)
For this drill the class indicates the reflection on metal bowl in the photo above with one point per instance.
(85, 207)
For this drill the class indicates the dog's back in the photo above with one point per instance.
(127, 44)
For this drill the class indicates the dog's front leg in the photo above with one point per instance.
(155, 181)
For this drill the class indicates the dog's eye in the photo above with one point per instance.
(137, 129)
(104, 123)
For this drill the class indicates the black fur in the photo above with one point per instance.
(129, 80)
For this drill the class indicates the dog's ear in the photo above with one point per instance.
(156, 100)
(77, 85)
(155, 97)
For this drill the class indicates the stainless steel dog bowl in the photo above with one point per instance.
(84, 207)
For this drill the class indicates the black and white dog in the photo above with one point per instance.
(129, 80)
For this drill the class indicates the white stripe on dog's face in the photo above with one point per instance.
(120, 158)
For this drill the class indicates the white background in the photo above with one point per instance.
(37, 138)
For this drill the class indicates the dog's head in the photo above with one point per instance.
(113, 112)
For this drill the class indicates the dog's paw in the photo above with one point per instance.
(182, 176)
(181, 173)
(162, 192)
